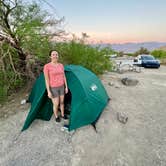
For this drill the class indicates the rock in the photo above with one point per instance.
(23, 101)
(122, 117)
(129, 81)
(5, 115)
(117, 86)
(111, 84)
(13, 101)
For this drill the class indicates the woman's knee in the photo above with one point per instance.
(62, 103)
(55, 102)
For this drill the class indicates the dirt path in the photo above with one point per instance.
(139, 142)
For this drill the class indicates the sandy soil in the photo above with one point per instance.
(139, 142)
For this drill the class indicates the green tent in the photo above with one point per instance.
(87, 98)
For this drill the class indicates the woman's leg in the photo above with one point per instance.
(55, 102)
(62, 105)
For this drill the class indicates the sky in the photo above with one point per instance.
(113, 21)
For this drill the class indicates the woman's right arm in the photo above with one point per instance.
(47, 84)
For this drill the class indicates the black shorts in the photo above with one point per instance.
(57, 91)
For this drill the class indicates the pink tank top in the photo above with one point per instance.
(55, 74)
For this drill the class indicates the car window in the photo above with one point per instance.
(147, 58)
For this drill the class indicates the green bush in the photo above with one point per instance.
(3, 93)
(9, 83)
(95, 59)
(161, 54)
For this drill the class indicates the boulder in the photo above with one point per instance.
(129, 81)
(122, 117)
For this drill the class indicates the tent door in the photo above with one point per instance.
(67, 103)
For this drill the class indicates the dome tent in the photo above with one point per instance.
(87, 95)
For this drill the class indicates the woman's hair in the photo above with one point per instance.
(51, 52)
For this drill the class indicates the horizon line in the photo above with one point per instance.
(131, 42)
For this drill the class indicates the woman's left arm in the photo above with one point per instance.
(66, 87)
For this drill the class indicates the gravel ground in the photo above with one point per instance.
(139, 142)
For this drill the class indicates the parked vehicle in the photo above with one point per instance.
(147, 61)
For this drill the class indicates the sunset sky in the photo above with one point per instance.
(113, 21)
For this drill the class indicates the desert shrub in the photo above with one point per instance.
(159, 54)
(95, 59)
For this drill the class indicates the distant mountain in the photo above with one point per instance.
(133, 47)
(162, 48)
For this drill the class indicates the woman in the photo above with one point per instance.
(56, 83)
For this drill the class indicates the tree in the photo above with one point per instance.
(84, 37)
(142, 50)
(27, 30)
(121, 53)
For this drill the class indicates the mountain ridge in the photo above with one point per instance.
(132, 47)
